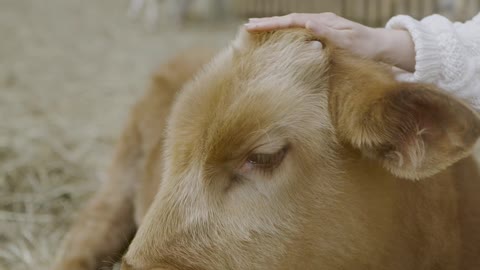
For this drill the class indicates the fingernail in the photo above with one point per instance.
(308, 25)
(317, 44)
(250, 25)
(253, 19)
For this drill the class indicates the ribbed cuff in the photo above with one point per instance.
(428, 63)
(475, 103)
(477, 18)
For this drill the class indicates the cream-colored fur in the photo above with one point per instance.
(369, 173)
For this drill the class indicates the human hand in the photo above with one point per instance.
(390, 46)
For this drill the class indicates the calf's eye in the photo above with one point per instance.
(267, 161)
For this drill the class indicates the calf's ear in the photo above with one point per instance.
(413, 130)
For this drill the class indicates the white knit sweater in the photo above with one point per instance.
(447, 54)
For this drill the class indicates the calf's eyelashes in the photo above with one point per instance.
(267, 160)
(263, 162)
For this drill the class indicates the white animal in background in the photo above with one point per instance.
(149, 7)
(173, 12)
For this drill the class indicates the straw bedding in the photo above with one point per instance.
(69, 70)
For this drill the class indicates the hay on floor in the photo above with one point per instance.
(69, 72)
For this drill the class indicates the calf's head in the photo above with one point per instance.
(281, 154)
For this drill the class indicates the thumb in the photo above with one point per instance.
(323, 31)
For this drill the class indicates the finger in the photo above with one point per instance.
(325, 32)
(263, 19)
(258, 19)
(331, 20)
(325, 17)
(273, 23)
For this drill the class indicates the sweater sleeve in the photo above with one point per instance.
(447, 54)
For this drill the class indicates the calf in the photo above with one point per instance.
(287, 153)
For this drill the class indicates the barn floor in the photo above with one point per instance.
(69, 70)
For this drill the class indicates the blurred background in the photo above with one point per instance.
(70, 70)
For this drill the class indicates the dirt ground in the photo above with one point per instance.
(69, 70)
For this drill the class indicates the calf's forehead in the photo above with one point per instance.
(260, 88)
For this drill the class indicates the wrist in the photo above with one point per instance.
(395, 47)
